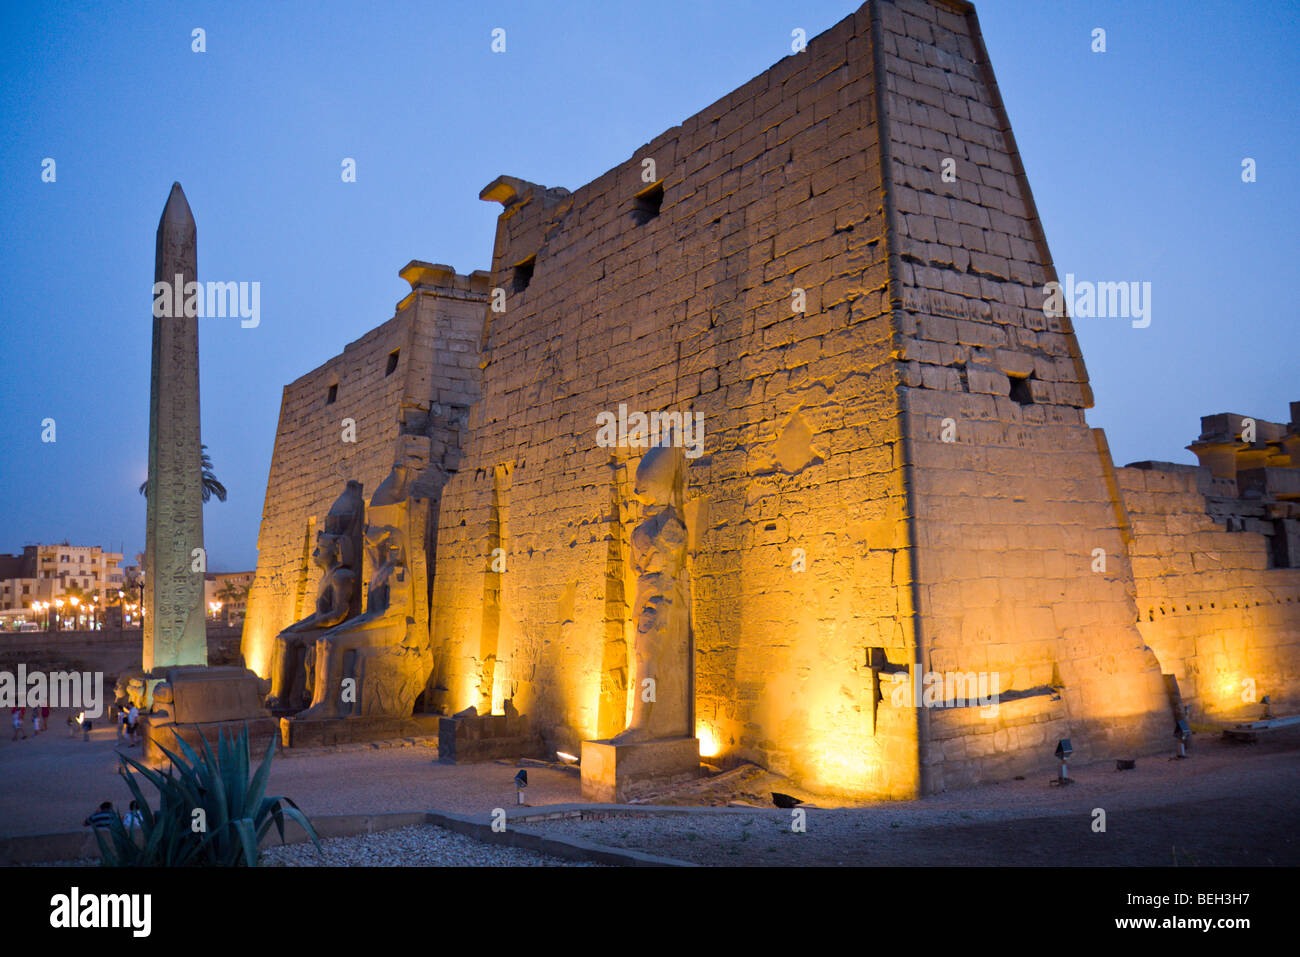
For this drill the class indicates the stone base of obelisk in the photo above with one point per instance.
(198, 702)
(160, 730)
(617, 773)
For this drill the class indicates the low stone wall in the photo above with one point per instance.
(109, 651)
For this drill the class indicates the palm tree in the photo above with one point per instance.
(228, 595)
(74, 590)
(211, 486)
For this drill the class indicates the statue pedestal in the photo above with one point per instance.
(357, 729)
(487, 737)
(615, 773)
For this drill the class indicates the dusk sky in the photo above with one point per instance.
(1134, 156)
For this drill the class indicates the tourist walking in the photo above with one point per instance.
(18, 714)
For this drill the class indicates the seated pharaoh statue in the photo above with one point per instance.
(338, 553)
(379, 662)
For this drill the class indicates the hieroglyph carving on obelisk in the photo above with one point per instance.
(174, 629)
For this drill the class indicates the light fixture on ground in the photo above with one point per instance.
(1268, 707)
(1063, 751)
(521, 782)
(566, 758)
(1182, 731)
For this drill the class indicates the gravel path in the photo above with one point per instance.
(424, 845)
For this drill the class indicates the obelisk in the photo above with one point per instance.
(174, 628)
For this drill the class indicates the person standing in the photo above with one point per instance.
(104, 817)
(134, 818)
(132, 723)
(18, 714)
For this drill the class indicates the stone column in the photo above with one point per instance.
(174, 628)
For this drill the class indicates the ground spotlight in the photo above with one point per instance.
(521, 782)
(1063, 751)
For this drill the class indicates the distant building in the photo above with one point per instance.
(49, 573)
(226, 594)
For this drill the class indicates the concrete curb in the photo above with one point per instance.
(571, 848)
(552, 812)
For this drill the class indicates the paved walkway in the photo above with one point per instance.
(52, 782)
(1227, 804)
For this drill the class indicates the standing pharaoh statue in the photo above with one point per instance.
(338, 598)
(661, 614)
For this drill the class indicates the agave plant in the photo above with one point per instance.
(209, 813)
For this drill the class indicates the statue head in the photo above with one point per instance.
(345, 514)
(659, 476)
(328, 551)
(385, 544)
(393, 488)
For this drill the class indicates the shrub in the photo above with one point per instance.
(236, 813)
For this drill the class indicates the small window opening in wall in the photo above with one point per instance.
(524, 273)
(332, 394)
(1020, 390)
(648, 203)
(392, 362)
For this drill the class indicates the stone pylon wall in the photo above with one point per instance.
(1219, 618)
(416, 411)
(896, 476)
(796, 507)
(1013, 494)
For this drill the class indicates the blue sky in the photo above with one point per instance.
(1134, 156)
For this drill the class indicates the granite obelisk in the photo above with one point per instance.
(174, 628)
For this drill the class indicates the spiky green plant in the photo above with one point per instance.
(236, 813)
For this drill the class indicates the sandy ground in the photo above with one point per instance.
(53, 782)
(1227, 804)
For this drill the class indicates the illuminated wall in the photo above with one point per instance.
(1220, 620)
(1011, 489)
(797, 508)
(896, 478)
(414, 405)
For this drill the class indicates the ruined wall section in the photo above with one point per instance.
(774, 188)
(418, 409)
(1010, 511)
(1210, 606)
